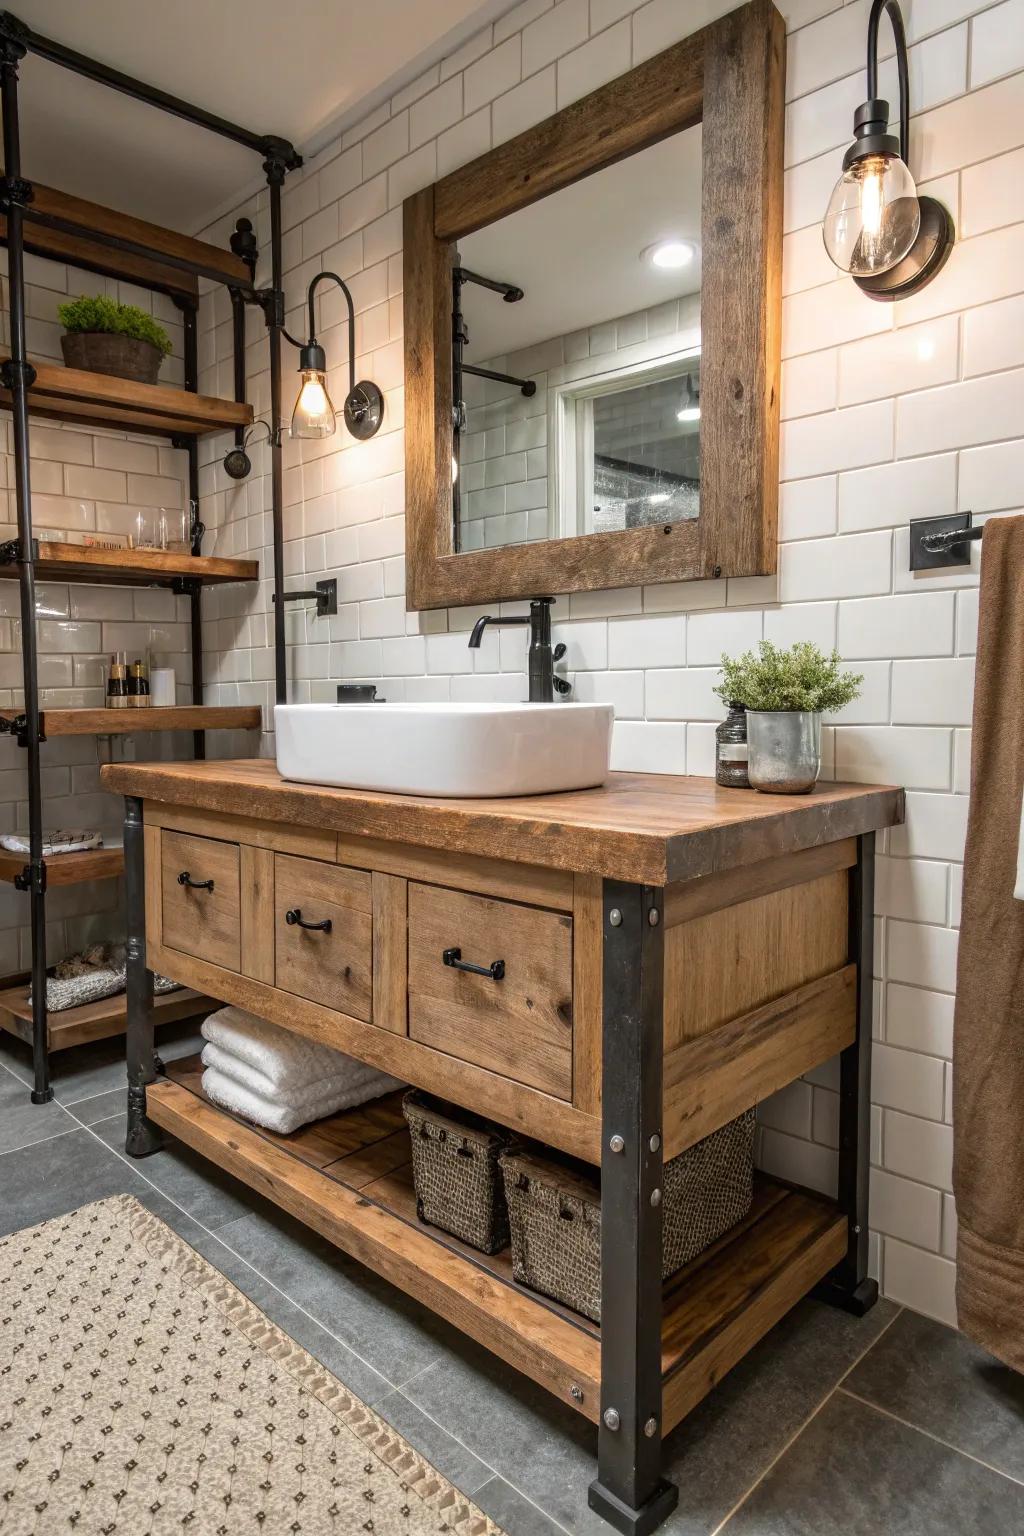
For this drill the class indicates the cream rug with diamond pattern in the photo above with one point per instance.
(142, 1394)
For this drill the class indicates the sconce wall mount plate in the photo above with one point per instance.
(926, 257)
(364, 409)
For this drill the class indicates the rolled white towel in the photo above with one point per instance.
(230, 1094)
(285, 1059)
(228, 1065)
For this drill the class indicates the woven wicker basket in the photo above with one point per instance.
(555, 1212)
(455, 1170)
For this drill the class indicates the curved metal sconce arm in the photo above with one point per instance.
(902, 68)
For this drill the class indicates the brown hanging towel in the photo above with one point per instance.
(988, 1036)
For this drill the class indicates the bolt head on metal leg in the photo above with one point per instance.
(611, 1418)
(616, 1143)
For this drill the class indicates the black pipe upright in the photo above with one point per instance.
(196, 530)
(18, 374)
(275, 170)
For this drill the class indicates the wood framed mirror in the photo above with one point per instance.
(533, 464)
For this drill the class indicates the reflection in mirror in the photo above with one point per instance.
(576, 364)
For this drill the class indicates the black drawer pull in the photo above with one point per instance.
(194, 885)
(294, 916)
(453, 957)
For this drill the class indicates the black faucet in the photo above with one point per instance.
(543, 682)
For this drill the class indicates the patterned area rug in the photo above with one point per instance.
(141, 1393)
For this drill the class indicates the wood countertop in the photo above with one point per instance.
(649, 828)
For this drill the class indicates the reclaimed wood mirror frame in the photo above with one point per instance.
(730, 76)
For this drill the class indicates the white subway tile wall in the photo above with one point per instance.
(85, 481)
(890, 413)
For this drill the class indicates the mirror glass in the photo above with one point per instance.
(577, 377)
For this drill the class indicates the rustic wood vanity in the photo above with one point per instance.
(673, 953)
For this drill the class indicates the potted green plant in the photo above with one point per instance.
(785, 693)
(102, 336)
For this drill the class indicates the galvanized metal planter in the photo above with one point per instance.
(784, 750)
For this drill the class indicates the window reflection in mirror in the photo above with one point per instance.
(579, 372)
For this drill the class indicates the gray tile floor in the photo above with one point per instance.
(832, 1425)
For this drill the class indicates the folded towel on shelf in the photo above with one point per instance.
(352, 1076)
(231, 1094)
(58, 841)
(286, 1060)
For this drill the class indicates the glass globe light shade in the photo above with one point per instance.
(873, 216)
(314, 414)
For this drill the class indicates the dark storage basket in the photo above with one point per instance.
(455, 1170)
(555, 1211)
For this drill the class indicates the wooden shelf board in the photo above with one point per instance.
(68, 868)
(132, 722)
(350, 1179)
(78, 232)
(93, 1021)
(99, 399)
(132, 567)
(92, 256)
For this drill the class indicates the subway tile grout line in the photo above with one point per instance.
(958, 1450)
(810, 1417)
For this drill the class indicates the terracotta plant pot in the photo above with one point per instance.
(103, 352)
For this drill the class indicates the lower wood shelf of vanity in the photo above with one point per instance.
(349, 1178)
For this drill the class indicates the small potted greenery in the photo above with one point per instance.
(102, 336)
(785, 693)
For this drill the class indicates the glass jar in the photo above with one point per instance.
(731, 750)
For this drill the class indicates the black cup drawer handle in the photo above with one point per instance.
(294, 918)
(194, 885)
(453, 957)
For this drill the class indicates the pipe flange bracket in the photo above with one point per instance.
(17, 725)
(271, 301)
(32, 878)
(11, 370)
(14, 36)
(15, 190)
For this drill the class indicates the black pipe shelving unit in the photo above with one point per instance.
(78, 233)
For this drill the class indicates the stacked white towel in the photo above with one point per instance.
(278, 1079)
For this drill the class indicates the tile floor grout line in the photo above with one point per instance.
(527, 1500)
(493, 1471)
(41, 1142)
(211, 1232)
(810, 1418)
(930, 1434)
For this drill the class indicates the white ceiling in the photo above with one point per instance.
(300, 70)
(576, 254)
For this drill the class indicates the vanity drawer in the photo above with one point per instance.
(334, 965)
(199, 879)
(519, 1025)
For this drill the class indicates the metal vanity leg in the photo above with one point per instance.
(630, 1492)
(143, 1137)
(849, 1285)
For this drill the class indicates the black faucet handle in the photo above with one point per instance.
(559, 651)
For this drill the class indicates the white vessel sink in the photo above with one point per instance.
(464, 750)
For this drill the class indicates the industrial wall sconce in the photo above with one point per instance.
(877, 228)
(314, 415)
(237, 463)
